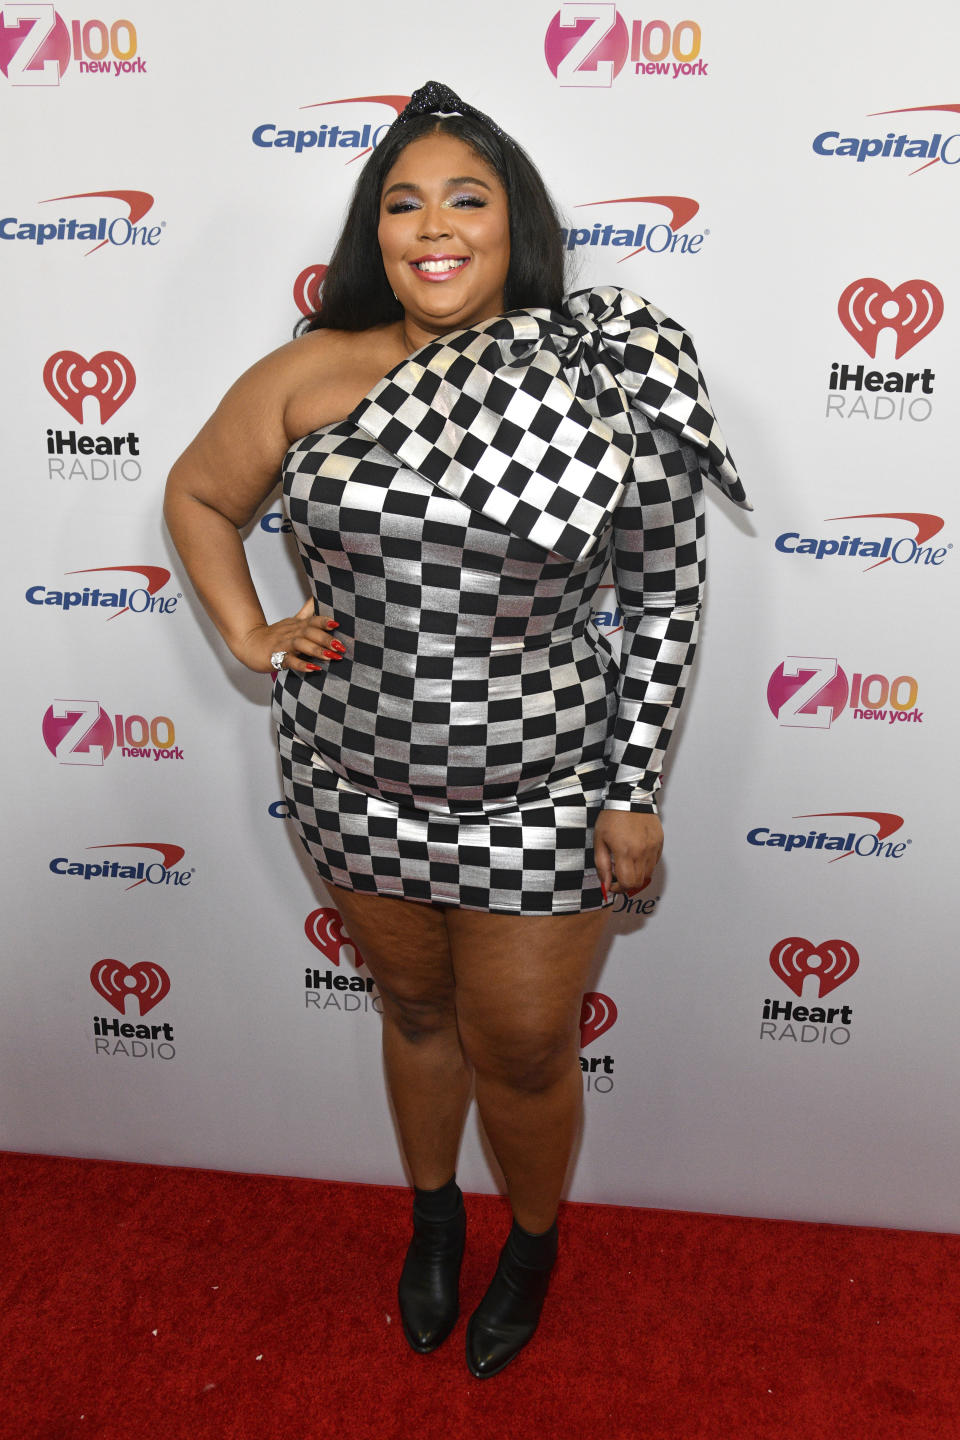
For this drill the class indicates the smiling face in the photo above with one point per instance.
(444, 236)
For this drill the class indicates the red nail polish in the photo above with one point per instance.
(314, 667)
(333, 624)
(603, 889)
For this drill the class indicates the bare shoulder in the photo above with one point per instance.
(234, 461)
(328, 372)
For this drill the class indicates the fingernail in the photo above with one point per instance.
(338, 645)
(314, 667)
(333, 624)
(329, 655)
(604, 890)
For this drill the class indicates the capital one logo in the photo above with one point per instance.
(587, 45)
(333, 134)
(656, 236)
(902, 550)
(107, 378)
(146, 982)
(598, 1014)
(144, 600)
(324, 929)
(868, 306)
(121, 230)
(931, 149)
(36, 46)
(306, 289)
(832, 962)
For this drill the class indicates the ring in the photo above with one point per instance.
(276, 659)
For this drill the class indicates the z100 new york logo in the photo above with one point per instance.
(81, 732)
(588, 44)
(37, 46)
(810, 692)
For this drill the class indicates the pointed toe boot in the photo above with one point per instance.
(429, 1289)
(507, 1316)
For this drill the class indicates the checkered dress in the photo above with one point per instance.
(457, 525)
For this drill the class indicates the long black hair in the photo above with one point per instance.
(356, 294)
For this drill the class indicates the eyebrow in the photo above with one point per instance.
(455, 180)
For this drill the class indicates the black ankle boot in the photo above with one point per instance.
(430, 1280)
(508, 1314)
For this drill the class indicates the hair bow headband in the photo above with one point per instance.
(435, 98)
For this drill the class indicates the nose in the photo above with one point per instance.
(434, 223)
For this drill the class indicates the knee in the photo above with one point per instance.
(530, 1063)
(418, 1018)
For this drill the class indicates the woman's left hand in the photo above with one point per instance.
(626, 848)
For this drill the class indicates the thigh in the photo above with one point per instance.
(520, 978)
(403, 943)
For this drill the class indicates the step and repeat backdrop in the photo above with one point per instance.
(770, 1028)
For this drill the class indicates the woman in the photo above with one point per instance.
(472, 774)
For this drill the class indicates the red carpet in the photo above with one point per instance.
(143, 1302)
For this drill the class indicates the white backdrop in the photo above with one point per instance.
(246, 1058)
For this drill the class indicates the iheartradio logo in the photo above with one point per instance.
(108, 378)
(598, 1014)
(325, 929)
(306, 289)
(148, 983)
(868, 306)
(833, 962)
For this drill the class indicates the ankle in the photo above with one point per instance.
(535, 1251)
(440, 1204)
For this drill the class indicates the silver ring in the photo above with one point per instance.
(276, 659)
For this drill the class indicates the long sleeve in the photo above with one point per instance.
(658, 572)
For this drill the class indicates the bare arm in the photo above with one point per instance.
(215, 488)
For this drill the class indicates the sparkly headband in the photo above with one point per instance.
(435, 98)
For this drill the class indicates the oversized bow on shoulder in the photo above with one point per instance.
(537, 418)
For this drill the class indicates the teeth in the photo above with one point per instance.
(437, 267)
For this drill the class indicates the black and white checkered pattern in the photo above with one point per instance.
(528, 418)
(461, 750)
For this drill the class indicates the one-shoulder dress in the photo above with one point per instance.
(457, 524)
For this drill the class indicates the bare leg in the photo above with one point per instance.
(406, 948)
(519, 986)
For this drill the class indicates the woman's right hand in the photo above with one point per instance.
(308, 640)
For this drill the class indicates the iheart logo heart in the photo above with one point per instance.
(108, 376)
(306, 289)
(911, 311)
(833, 962)
(597, 1014)
(325, 929)
(147, 982)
